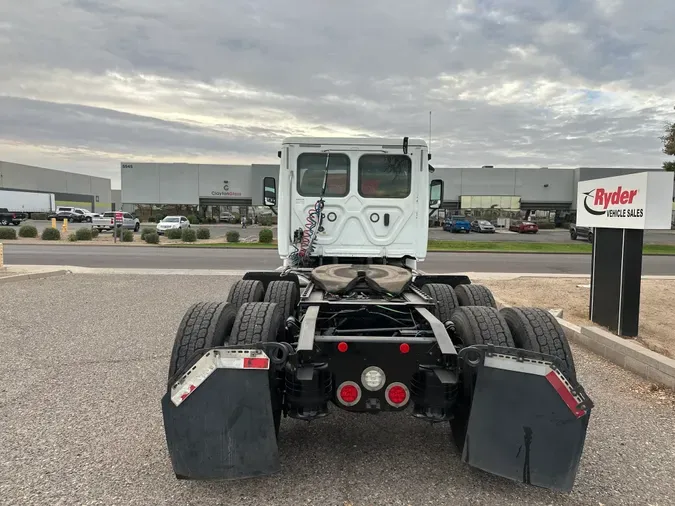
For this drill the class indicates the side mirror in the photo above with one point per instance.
(269, 191)
(436, 194)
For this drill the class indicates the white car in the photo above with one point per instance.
(171, 222)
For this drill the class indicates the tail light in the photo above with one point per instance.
(397, 394)
(349, 393)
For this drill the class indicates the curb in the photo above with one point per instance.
(34, 275)
(623, 352)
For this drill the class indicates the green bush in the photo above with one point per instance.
(128, 236)
(193, 219)
(38, 216)
(203, 233)
(84, 234)
(94, 233)
(211, 220)
(72, 237)
(174, 233)
(189, 235)
(151, 238)
(545, 225)
(152, 219)
(232, 236)
(265, 221)
(7, 233)
(28, 231)
(265, 235)
(237, 217)
(146, 231)
(51, 234)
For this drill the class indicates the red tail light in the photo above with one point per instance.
(397, 394)
(349, 393)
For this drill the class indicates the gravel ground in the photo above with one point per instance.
(80, 419)
(656, 323)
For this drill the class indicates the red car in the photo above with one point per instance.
(524, 227)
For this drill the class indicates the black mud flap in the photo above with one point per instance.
(527, 421)
(223, 426)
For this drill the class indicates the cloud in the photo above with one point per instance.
(86, 83)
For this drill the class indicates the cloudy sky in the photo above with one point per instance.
(87, 83)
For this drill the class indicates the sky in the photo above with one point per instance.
(85, 84)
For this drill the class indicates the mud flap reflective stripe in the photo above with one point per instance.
(527, 422)
(224, 427)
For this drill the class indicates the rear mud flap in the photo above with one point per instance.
(527, 421)
(223, 427)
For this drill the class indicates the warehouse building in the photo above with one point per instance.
(509, 189)
(69, 189)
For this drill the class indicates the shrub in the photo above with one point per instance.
(545, 225)
(174, 233)
(72, 237)
(193, 219)
(152, 219)
(237, 217)
(38, 216)
(265, 235)
(28, 231)
(211, 220)
(51, 234)
(265, 221)
(232, 236)
(146, 231)
(94, 233)
(189, 235)
(7, 233)
(128, 236)
(203, 233)
(151, 238)
(84, 234)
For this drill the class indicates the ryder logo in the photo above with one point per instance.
(602, 199)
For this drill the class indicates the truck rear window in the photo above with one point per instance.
(311, 170)
(384, 176)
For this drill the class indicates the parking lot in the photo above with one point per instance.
(80, 418)
(547, 236)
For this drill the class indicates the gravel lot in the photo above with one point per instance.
(656, 301)
(84, 367)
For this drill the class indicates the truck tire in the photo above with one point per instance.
(246, 290)
(537, 330)
(261, 322)
(475, 325)
(475, 295)
(205, 325)
(445, 298)
(286, 294)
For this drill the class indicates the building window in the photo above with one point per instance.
(312, 169)
(385, 176)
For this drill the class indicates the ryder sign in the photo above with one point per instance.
(641, 201)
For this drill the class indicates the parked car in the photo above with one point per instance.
(69, 215)
(11, 218)
(88, 215)
(456, 224)
(171, 222)
(228, 217)
(524, 227)
(482, 226)
(577, 231)
(107, 222)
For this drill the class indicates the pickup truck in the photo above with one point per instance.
(107, 222)
(8, 218)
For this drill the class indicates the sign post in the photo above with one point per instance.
(119, 222)
(620, 209)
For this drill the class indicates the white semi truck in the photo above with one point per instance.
(17, 206)
(351, 321)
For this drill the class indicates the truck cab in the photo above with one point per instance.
(353, 199)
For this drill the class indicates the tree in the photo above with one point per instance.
(669, 146)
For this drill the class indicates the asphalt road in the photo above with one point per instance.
(242, 259)
(81, 423)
